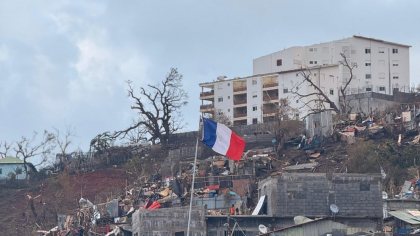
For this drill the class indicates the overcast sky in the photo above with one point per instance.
(65, 62)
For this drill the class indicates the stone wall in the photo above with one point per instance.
(167, 222)
(311, 194)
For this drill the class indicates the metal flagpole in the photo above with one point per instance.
(192, 187)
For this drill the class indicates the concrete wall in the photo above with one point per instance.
(165, 222)
(311, 194)
(268, 188)
(402, 204)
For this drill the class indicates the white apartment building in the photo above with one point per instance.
(381, 66)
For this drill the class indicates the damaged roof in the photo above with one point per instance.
(406, 216)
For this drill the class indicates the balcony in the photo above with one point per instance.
(270, 98)
(268, 85)
(269, 111)
(239, 89)
(239, 102)
(206, 108)
(206, 94)
(240, 115)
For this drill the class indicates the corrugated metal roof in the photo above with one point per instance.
(10, 160)
(405, 216)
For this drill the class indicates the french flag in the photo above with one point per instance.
(222, 140)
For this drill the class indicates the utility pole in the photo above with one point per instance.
(228, 224)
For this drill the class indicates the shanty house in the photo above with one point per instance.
(12, 165)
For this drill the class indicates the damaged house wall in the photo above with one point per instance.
(168, 222)
(320, 124)
(311, 194)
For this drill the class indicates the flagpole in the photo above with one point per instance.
(192, 187)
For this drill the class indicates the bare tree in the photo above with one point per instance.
(4, 148)
(26, 149)
(317, 100)
(220, 117)
(158, 108)
(63, 141)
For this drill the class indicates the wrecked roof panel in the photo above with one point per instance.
(405, 216)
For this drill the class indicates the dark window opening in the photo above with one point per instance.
(279, 62)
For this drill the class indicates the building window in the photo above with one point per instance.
(331, 91)
(297, 101)
(381, 50)
(311, 49)
(382, 89)
(367, 50)
(220, 86)
(285, 90)
(228, 110)
(395, 63)
(228, 97)
(254, 121)
(368, 76)
(311, 62)
(381, 75)
(279, 62)
(395, 77)
(1, 171)
(220, 112)
(368, 89)
(228, 84)
(315, 62)
(395, 50)
(254, 94)
(367, 63)
(254, 81)
(364, 187)
(220, 99)
(254, 108)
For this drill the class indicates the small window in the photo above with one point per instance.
(254, 81)
(367, 63)
(220, 112)
(220, 99)
(368, 89)
(395, 62)
(254, 121)
(364, 187)
(395, 50)
(228, 97)
(254, 108)
(368, 76)
(315, 62)
(228, 110)
(311, 62)
(331, 91)
(297, 115)
(228, 84)
(311, 49)
(1, 171)
(381, 75)
(254, 94)
(285, 90)
(395, 77)
(279, 62)
(381, 50)
(381, 88)
(297, 101)
(367, 50)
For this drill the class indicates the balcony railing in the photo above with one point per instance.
(238, 102)
(268, 85)
(205, 94)
(269, 98)
(239, 115)
(207, 106)
(269, 111)
(239, 89)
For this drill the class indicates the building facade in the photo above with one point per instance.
(381, 67)
(12, 165)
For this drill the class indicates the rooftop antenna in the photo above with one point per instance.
(262, 228)
(334, 209)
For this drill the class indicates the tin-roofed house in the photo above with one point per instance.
(12, 166)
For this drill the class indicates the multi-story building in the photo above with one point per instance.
(381, 67)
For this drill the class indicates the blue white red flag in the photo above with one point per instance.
(222, 140)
